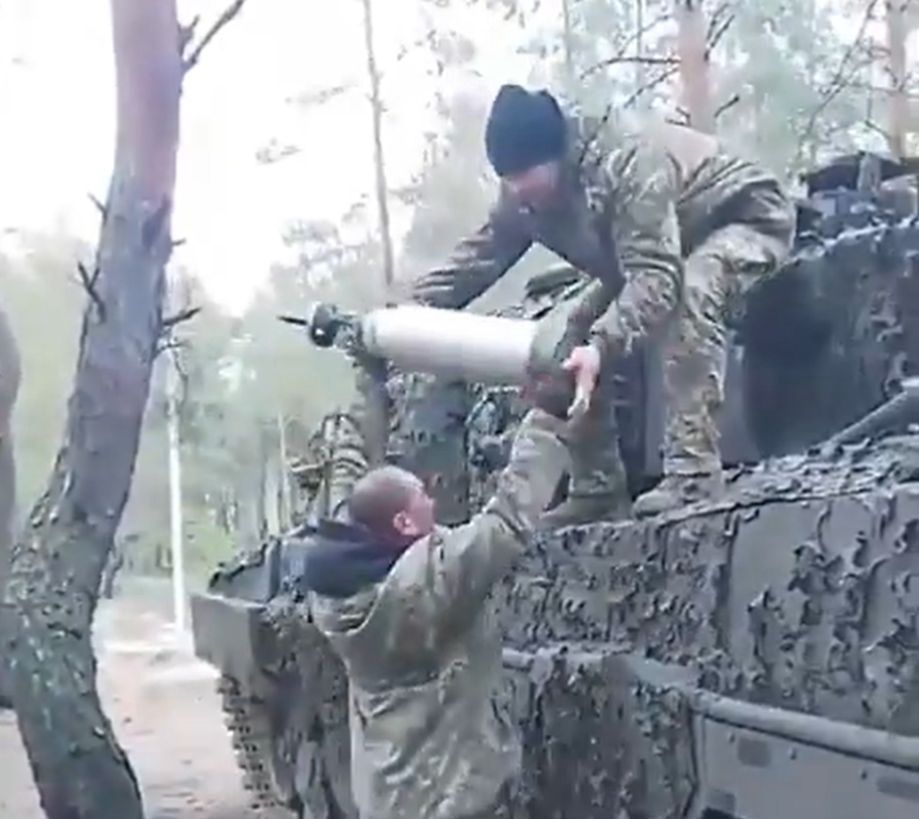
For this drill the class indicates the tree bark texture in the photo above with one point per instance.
(10, 373)
(898, 103)
(568, 46)
(695, 78)
(79, 768)
(379, 159)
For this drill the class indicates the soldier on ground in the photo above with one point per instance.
(687, 224)
(404, 603)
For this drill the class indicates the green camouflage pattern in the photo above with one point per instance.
(717, 275)
(690, 225)
(429, 732)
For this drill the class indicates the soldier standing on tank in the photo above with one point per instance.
(404, 603)
(685, 223)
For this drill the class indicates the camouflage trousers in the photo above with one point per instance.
(717, 275)
(753, 238)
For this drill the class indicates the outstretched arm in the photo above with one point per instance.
(476, 264)
(463, 564)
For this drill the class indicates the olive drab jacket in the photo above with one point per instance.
(647, 194)
(421, 648)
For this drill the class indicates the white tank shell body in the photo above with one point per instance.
(452, 343)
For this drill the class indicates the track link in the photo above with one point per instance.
(251, 738)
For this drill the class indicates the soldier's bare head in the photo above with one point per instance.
(393, 504)
(525, 139)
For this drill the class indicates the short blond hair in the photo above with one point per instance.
(379, 496)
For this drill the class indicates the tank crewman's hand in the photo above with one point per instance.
(584, 364)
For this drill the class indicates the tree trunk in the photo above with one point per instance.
(692, 47)
(376, 103)
(80, 770)
(10, 373)
(176, 517)
(898, 103)
(285, 502)
(639, 45)
(571, 84)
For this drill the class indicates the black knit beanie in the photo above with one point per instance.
(524, 130)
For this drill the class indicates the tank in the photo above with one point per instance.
(752, 658)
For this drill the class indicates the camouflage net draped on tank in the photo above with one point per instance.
(653, 665)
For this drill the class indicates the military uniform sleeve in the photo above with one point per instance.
(466, 562)
(644, 180)
(476, 264)
(359, 437)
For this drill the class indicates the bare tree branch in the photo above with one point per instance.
(729, 103)
(633, 39)
(626, 58)
(840, 78)
(170, 344)
(716, 31)
(228, 15)
(320, 96)
(183, 315)
(873, 126)
(103, 212)
(88, 280)
(187, 33)
(718, 21)
(650, 85)
(680, 117)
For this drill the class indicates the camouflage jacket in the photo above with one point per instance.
(422, 651)
(647, 195)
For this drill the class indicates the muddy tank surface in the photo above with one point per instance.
(753, 658)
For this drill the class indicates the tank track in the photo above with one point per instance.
(251, 738)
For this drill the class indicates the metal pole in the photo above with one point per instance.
(175, 500)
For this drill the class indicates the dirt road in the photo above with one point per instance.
(163, 704)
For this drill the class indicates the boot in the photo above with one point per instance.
(679, 490)
(578, 510)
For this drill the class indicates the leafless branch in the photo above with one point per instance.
(187, 33)
(178, 243)
(716, 30)
(716, 20)
(183, 315)
(719, 23)
(103, 211)
(320, 96)
(873, 126)
(228, 15)
(680, 117)
(729, 103)
(886, 89)
(170, 344)
(625, 46)
(840, 78)
(650, 85)
(634, 60)
(88, 280)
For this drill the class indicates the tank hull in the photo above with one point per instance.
(674, 667)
